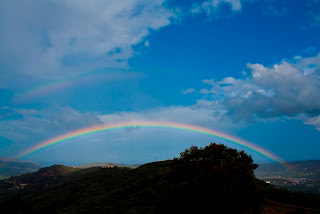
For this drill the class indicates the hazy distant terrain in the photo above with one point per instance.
(107, 165)
(297, 176)
(12, 167)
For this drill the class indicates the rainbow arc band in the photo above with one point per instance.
(49, 87)
(150, 124)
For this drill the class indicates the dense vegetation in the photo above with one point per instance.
(202, 180)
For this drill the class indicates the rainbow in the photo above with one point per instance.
(47, 87)
(62, 83)
(149, 124)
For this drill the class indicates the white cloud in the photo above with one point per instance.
(235, 4)
(314, 121)
(209, 81)
(309, 120)
(53, 38)
(294, 90)
(204, 113)
(310, 66)
(284, 89)
(228, 80)
(188, 91)
(211, 6)
(230, 87)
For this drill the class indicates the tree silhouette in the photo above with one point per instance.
(214, 178)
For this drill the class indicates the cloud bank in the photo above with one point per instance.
(290, 88)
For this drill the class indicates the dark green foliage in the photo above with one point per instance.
(15, 205)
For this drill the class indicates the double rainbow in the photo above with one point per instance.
(150, 124)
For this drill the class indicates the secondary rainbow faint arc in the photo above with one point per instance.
(151, 124)
(50, 86)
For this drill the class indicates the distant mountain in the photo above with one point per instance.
(294, 168)
(107, 165)
(297, 176)
(5, 159)
(13, 167)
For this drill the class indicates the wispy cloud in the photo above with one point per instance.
(210, 7)
(314, 13)
(37, 125)
(204, 113)
(74, 36)
(188, 91)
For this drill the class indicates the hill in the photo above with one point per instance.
(13, 167)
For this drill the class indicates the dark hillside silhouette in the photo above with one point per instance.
(213, 179)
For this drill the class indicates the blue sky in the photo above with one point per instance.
(248, 68)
